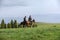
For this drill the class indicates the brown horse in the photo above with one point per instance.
(29, 24)
(25, 24)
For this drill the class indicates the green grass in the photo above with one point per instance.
(44, 31)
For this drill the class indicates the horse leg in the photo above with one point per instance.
(23, 26)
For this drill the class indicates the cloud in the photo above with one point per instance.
(13, 3)
(33, 3)
(43, 10)
(0, 2)
(27, 7)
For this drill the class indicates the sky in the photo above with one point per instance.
(49, 10)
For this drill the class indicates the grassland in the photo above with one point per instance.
(44, 31)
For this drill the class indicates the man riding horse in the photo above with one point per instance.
(28, 23)
(24, 21)
(30, 20)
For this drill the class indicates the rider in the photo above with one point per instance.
(30, 18)
(25, 18)
(33, 20)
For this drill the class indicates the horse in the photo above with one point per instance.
(22, 24)
(28, 24)
(31, 23)
(25, 24)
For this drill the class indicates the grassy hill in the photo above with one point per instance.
(44, 31)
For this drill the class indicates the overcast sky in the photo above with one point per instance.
(27, 7)
(16, 8)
